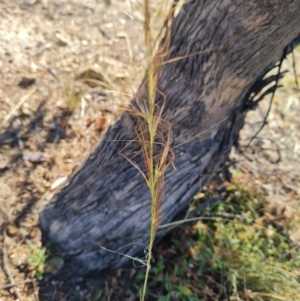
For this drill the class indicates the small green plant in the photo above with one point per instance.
(169, 282)
(98, 296)
(36, 261)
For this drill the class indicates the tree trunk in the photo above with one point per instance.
(217, 50)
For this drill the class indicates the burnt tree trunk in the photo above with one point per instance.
(217, 51)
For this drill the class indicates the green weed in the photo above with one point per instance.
(170, 283)
(36, 261)
(238, 254)
(98, 296)
(256, 257)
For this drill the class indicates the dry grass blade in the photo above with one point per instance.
(17, 106)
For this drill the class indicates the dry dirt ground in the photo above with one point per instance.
(66, 68)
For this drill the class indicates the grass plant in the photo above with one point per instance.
(155, 137)
(155, 166)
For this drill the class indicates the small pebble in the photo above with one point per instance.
(11, 230)
(31, 234)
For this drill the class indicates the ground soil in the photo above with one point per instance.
(66, 68)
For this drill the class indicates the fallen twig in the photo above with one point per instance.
(272, 97)
(3, 287)
(195, 219)
(36, 295)
(7, 270)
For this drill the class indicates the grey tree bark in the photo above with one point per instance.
(217, 51)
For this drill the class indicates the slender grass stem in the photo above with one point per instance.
(152, 133)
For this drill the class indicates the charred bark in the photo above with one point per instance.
(217, 51)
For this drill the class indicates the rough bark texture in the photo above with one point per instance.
(224, 47)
